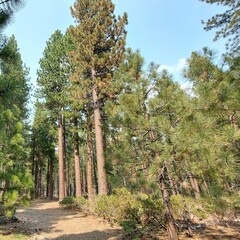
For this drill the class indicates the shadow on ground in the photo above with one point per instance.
(44, 218)
(94, 235)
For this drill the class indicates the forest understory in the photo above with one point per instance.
(44, 220)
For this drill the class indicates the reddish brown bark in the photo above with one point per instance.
(61, 173)
(101, 171)
(89, 165)
(195, 185)
(170, 224)
(233, 120)
(77, 166)
(50, 184)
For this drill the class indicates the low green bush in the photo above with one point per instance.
(187, 205)
(135, 213)
(78, 203)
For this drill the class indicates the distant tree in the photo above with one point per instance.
(43, 144)
(53, 83)
(227, 22)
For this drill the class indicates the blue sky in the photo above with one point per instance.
(165, 31)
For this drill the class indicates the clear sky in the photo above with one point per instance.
(165, 31)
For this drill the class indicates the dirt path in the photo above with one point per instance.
(46, 220)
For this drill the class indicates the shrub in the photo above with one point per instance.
(78, 203)
(135, 213)
(181, 206)
(121, 207)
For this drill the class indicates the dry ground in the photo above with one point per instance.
(46, 220)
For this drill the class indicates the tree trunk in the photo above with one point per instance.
(101, 171)
(3, 191)
(65, 166)
(171, 229)
(172, 185)
(233, 120)
(36, 179)
(50, 187)
(77, 166)
(89, 163)
(61, 172)
(195, 185)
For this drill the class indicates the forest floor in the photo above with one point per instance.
(44, 220)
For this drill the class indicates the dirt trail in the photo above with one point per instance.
(46, 220)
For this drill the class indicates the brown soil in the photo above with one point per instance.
(45, 220)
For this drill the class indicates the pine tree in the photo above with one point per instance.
(228, 22)
(216, 111)
(99, 38)
(137, 127)
(14, 92)
(53, 83)
(42, 152)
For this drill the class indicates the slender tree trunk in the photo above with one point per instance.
(3, 191)
(77, 166)
(89, 163)
(195, 185)
(61, 173)
(50, 187)
(205, 184)
(171, 229)
(233, 120)
(36, 183)
(66, 177)
(170, 181)
(94, 162)
(101, 171)
(41, 186)
(48, 176)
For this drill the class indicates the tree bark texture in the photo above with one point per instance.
(89, 164)
(50, 186)
(61, 173)
(170, 224)
(194, 184)
(78, 183)
(101, 171)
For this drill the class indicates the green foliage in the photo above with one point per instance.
(226, 23)
(226, 206)
(135, 213)
(121, 208)
(13, 236)
(15, 179)
(78, 203)
(53, 73)
(184, 205)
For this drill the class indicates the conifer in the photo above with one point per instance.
(99, 38)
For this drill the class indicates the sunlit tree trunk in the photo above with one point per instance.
(101, 171)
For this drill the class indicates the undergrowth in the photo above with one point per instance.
(141, 214)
